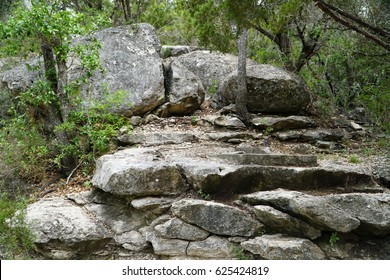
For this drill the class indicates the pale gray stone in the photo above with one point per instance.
(216, 217)
(213, 247)
(270, 90)
(137, 173)
(284, 223)
(280, 247)
(315, 210)
(176, 228)
(60, 227)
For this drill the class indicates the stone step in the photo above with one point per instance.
(268, 159)
(282, 123)
(140, 172)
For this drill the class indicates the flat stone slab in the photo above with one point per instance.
(280, 247)
(138, 173)
(361, 213)
(283, 123)
(154, 139)
(284, 223)
(311, 135)
(269, 159)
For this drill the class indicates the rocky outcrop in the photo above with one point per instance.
(271, 90)
(357, 212)
(130, 58)
(63, 230)
(184, 90)
(211, 67)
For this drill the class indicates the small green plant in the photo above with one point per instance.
(203, 195)
(354, 159)
(16, 240)
(268, 131)
(213, 88)
(194, 120)
(333, 239)
(239, 253)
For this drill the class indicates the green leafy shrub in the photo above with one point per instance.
(16, 240)
(23, 147)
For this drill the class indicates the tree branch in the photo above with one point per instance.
(323, 6)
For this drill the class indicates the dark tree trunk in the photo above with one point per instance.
(242, 91)
(56, 112)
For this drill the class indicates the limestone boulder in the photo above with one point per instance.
(280, 247)
(63, 230)
(271, 90)
(215, 217)
(184, 90)
(315, 210)
(137, 173)
(132, 65)
(211, 67)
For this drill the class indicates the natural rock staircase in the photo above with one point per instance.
(152, 200)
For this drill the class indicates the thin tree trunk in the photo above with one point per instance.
(242, 91)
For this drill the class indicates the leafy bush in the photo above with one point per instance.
(16, 240)
(23, 148)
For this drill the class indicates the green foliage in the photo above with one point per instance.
(239, 253)
(23, 147)
(354, 159)
(203, 195)
(16, 240)
(333, 239)
(93, 130)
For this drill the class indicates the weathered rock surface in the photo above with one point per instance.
(130, 57)
(270, 90)
(229, 122)
(269, 159)
(356, 212)
(280, 247)
(156, 205)
(169, 51)
(63, 230)
(210, 67)
(132, 241)
(282, 123)
(166, 246)
(22, 77)
(176, 228)
(137, 173)
(284, 223)
(184, 90)
(151, 139)
(312, 135)
(215, 217)
(213, 247)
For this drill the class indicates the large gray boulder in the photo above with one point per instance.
(23, 76)
(271, 90)
(130, 58)
(211, 67)
(216, 217)
(137, 173)
(280, 247)
(184, 90)
(63, 230)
